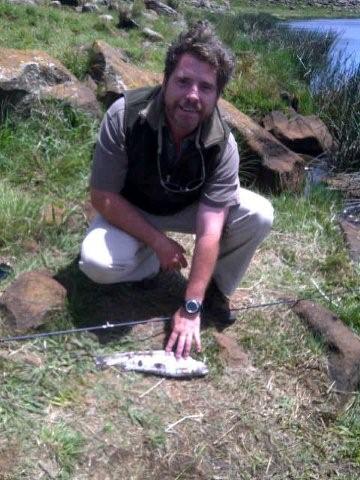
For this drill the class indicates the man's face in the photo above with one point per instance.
(190, 95)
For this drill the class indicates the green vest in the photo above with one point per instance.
(143, 186)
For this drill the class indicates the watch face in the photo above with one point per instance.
(192, 306)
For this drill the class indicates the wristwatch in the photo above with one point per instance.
(192, 306)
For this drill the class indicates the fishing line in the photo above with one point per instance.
(107, 326)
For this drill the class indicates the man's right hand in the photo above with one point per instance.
(170, 254)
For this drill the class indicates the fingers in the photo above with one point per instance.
(171, 342)
(180, 346)
(197, 341)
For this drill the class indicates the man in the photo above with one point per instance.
(165, 161)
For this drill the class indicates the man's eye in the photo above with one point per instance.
(182, 81)
(207, 88)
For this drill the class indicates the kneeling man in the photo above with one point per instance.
(166, 161)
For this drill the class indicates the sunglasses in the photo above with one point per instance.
(166, 181)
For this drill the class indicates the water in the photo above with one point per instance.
(348, 43)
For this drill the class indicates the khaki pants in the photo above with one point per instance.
(109, 255)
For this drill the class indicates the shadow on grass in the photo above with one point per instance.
(91, 304)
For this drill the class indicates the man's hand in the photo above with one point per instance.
(170, 254)
(186, 328)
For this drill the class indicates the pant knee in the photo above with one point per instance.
(103, 271)
(264, 218)
(101, 274)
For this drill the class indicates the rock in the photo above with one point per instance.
(343, 344)
(55, 4)
(114, 74)
(152, 35)
(89, 7)
(106, 18)
(280, 169)
(351, 233)
(30, 76)
(232, 354)
(75, 94)
(126, 21)
(23, 2)
(31, 298)
(71, 3)
(302, 134)
(150, 15)
(160, 8)
(90, 83)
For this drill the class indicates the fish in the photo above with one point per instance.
(155, 362)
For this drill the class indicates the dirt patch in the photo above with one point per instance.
(8, 455)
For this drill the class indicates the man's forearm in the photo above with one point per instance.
(203, 264)
(123, 215)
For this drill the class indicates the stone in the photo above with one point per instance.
(89, 7)
(232, 353)
(31, 298)
(280, 168)
(150, 15)
(343, 344)
(71, 3)
(55, 4)
(351, 232)
(23, 2)
(152, 35)
(127, 22)
(106, 18)
(75, 94)
(114, 74)
(160, 8)
(27, 76)
(90, 83)
(302, 134)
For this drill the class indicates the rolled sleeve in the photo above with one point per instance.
(222, 189)
(110, 160)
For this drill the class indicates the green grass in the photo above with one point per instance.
(65, 444)
(49, 152)
(56, 408)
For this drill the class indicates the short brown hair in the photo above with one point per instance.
(202, 42)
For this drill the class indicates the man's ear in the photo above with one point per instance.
(164, 83)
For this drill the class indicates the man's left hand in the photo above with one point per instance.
(186, 328)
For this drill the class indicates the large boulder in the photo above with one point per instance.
(31, 298)
(33, 75)
(160, 8)
(302, 134)
(114, 74)
(280, 168)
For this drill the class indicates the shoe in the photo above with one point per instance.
(218, 306)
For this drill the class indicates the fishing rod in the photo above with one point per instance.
(109, 326)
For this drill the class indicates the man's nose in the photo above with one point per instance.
(193, 92)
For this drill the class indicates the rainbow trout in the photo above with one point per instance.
(157, 362)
